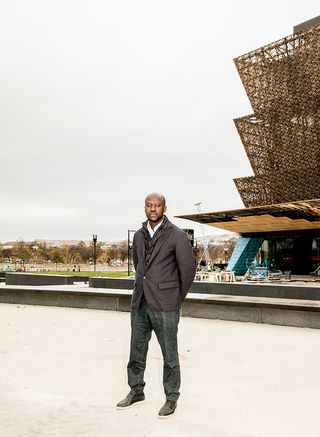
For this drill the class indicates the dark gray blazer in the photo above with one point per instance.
(166, 280)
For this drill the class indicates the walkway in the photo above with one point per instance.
(64, 369)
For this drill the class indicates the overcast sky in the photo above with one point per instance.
(105, 101)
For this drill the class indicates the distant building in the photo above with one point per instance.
(8, 244)
(60, 243)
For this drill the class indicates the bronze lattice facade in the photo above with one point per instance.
(282, 136)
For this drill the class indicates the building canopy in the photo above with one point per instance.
(290, 216)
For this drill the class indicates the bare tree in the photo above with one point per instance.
(22, 251)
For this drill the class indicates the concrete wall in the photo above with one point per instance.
(235, 308)
(35, 279)
(276, 290)
(115, 283)
(38, 279)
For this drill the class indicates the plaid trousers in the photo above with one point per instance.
(165, 326)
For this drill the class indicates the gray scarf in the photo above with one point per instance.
(151, 242)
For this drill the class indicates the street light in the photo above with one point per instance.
(225, 250)
(129, 247)
(94, 239)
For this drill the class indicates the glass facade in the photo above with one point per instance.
(298, 253)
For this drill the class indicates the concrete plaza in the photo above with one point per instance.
(62, 370)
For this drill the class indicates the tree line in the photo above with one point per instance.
(82, 253)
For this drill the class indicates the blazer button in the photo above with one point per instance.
(144, 277)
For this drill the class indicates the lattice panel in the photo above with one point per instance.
(284, 74)
(279, 187)
(280, 145)
(282, 137)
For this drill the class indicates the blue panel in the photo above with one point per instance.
(243, 254)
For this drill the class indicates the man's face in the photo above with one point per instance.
(154, 208)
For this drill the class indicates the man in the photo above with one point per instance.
(165, 268)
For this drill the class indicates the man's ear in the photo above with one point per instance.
(165, 209)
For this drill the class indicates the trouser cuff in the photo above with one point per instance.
(136, 392)
(172, 398)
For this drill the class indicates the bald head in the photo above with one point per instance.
(158, 196)
(155, 207)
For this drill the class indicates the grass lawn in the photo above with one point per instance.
(107, 274)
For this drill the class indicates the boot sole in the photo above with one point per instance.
(130, 406)
(167, 416)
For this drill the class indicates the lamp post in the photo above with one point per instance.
(225, 250)
(94, 239)
(129, 247)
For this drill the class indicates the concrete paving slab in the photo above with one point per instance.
(64, 369)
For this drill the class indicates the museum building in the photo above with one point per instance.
(281, 218)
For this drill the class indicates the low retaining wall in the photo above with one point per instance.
(80, 278)
(38, 279)
(275, 290)
(35, 279)
(286, 312)
(34, 295)
(115, 283)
